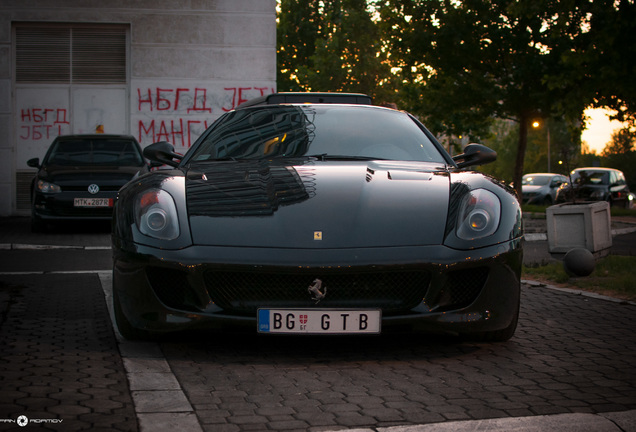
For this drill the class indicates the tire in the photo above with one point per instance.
(123, 325)
(38, 225)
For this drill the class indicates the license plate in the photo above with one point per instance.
(319, 321)
(93, 202)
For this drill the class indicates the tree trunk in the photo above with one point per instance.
(521, 153)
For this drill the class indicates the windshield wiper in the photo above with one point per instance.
(326, 156)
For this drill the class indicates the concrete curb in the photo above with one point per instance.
(544, 236)
(606, 422)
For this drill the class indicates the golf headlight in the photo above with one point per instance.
(479, 215)
(156, 215)
(46, 187)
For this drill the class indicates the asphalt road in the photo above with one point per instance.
(570, 366)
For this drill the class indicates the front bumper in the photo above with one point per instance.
(427, 288)
(60, 206)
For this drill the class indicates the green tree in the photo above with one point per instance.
(620, 153)
(332, 45)
(465, 62)
(623, 142)
(300, 23)
(601, 63)
(589, 157)
(502, 139)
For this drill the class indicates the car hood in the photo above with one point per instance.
(317, 204)
(62, 175)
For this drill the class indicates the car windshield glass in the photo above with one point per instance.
(111, 152)
(590, 177)
(324, 131)
(535, 180)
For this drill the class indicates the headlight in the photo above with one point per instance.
(46, 187)
(479, 215)
(156, 215)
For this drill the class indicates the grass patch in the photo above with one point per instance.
(532, 208)
(612, 276)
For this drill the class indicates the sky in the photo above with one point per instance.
(599, 130)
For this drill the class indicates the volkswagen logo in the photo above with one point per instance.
(93, 189)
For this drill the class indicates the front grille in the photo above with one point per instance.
(62, 210)
(462, 287)
(245, 292)
(84, 188)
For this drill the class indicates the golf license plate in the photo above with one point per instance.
(93, 202)
(319, 321)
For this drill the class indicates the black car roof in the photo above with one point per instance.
(95, 136)
(300, 97)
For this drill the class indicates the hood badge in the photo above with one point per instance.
(317, 235)
(314, 290)
(93, 189)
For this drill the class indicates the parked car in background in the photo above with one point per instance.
(541, 188)
(317, 214)
(80, 176)
(596, 184)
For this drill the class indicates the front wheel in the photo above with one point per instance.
(38, 225)
(124, 326)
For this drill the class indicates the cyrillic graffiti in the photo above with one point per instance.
(160, 112)
(180, 114)
(42, 123)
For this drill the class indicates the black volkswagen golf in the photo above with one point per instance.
(317, 214)
(80, 176)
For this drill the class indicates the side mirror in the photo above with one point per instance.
(475, 154)
(163, 153)
(34, 163)
(154, 164)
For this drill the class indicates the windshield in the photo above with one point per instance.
(317, 130)
(110, 152)
(535, 180)
(590, 177)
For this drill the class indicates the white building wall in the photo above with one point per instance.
(189, 62)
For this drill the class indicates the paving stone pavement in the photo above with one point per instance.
(59, 358)
(571, 355)
(570, 367)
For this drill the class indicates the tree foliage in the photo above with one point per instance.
(620, 153)
(554, 134)
(462, 64)
(332, 45)
(623, 142)
(299, 25)
(602, 61)
(465, 62)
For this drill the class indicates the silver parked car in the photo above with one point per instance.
(541, 188)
